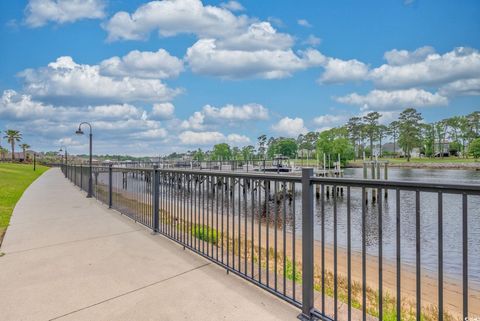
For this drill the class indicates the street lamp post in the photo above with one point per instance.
(64, 148)
(80, 132)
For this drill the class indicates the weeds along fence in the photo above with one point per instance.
(315, 242)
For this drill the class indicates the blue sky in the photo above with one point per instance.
(161, 76)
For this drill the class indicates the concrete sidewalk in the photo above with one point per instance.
(71, 258)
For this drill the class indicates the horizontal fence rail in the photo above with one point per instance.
(338, 249)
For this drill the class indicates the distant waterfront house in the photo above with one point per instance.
(388, 147)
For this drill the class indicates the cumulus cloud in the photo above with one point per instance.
(464, 87)
(172, 17)
(204, 57)
(194, 122)
(258, 36)
(329, 120)
(236, 113)
(290, 127)
(210, 138)
(16, 106)
(381, 99)
(228, 113)
(339, 71)
(39, 12)
(232, 6)
(228, 46)
(423, 67)
(157, 133)
(115, 123)
(69, 82)
(163, 110)
(404, 57)
(143, 64)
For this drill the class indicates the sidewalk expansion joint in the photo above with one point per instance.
(74, 241)
(130, 292)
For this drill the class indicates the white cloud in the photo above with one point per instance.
(201, 138)
(40, 12)
(157, 133)
(17, 106)
(329, 120)
(464, 87)
(232, 6)
(258, 36)
(143, 64)
(205, 58)
(237, 140)
(68, 141)
(339, 71)
(236, 113)
(65, 80)
(172, 17)
(312, 41)
(123, 111)
(228, 46)
(211, 115)
(113, 124)
(290, 127)
(304, 23)
(211, 137)
(396, 99)
(435, 69)
(404, 57)
(194, 122)
(163, 110)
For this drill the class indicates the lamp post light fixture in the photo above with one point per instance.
(79, 131)
(64, 148)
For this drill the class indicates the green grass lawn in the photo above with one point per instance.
(14, 179)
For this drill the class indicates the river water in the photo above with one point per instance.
(452, 222)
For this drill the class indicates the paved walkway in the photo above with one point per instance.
(71, 258)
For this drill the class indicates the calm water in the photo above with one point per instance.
(452, 222)
(452, 218)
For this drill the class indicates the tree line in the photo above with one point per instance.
(364, 137)
(13, 136)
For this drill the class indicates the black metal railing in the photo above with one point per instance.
(339, 249)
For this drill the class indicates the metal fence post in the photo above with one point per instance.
(307, 245)
(155, 195)
(110, 174)
(81, 176)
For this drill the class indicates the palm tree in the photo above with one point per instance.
(3, 152)
(24, 147)
(12, 137)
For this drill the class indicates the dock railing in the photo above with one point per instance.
(311, 240)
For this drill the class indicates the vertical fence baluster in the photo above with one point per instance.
(465, 254)
(307, 244)
(364, 265)
(440, 256)
(398, 253)
(380, 256)
(418, 257)
(110, 183)
(156, 198)
(349, 257)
